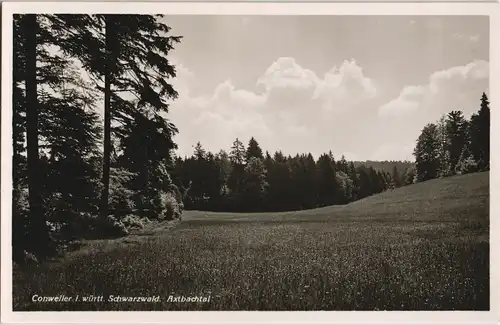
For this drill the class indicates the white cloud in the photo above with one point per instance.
(408, 101)
(456, 88)
(287, 85)
(394, 151)
(293, 110)
(289, 113)
(290, 86)
(344, 86)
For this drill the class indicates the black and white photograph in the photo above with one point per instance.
(246, 161)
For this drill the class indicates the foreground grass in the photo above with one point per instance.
(422, 247)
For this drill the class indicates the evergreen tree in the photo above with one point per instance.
(444, 153)
(456, 130)
(409, 177)
(253, 150)
(480, 134)
(237, 153)
(365, 182)
(150, 163)
(135, 48)
(213, 182)
(255, 185)
(225, 165)
(67, 137)
(199, 152)
(396, 178)
(353, 175)
(279, 183)
(303, 172)
(328, 189)
(235, 181)
(427, 153)
(342, 165)
(375, 181)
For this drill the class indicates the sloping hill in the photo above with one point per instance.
(422, 247)
(463, 199)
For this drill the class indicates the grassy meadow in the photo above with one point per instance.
(420, 247)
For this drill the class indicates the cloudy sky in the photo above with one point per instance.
(363, 86)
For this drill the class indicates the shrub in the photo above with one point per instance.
(134, 222)
(170, 207)
(467, 163)
(465, 166)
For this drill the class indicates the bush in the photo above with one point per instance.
(134, 222)
(466, 166)
(171, 208)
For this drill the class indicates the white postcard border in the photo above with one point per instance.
(258, 8)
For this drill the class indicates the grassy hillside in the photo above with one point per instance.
(425, 246)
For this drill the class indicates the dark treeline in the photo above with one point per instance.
(454, 145)
(247, 179)
(76, 175)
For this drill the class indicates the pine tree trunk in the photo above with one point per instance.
(39, 236)
(107, 120)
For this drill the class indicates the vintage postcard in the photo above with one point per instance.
(207, 158)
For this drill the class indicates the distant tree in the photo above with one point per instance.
(480, 134)
(199, 176)
(254, 184)
(353, 175)
(342, 165)
(328, 188)
(224, 164)
(444, 153)
(365, 182)
(345, 186)
(466, 164)
(237, 153)
(427, 153)
(253, 150)
(303, 171)
(279, 179)
(456, 131)
(235, 181)
(376, 180)
(409, 177)
(396, 178)
(199, 151)
(214, 182)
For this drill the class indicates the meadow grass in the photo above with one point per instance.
(421, 247)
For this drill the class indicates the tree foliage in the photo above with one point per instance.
(248, 180)
(454, 145)
(66, 159)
